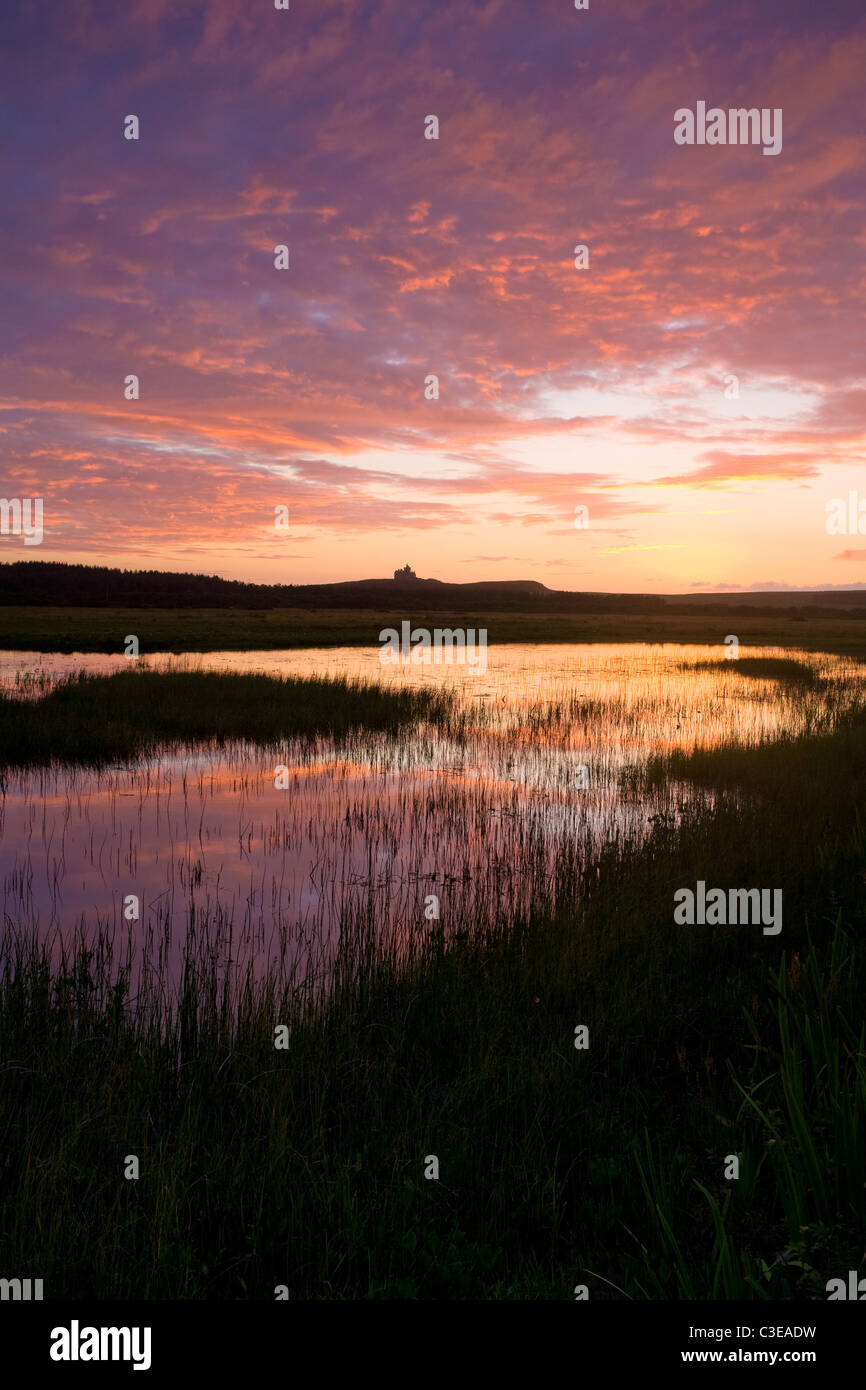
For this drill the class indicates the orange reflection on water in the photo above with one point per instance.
(369, 827)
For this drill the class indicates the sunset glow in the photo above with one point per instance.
(558, 387)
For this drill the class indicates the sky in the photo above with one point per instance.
(697, 386)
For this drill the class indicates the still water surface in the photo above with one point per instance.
(277, 880)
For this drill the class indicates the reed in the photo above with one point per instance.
(96, 719)
(409, 1038)
(305, 1167)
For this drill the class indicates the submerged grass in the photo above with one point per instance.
(97, 719)
(558, 1166)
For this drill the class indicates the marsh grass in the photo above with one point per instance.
(96, 719)
(305, 1167)
(787, 670)
(80, 629)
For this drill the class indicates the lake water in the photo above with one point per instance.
(372, 828)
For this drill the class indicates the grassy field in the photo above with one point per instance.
(558, 1166)
(210, 629)
(98, 719)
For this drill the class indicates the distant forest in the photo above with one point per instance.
(94, 586)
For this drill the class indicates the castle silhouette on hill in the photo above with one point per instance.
(405, 575)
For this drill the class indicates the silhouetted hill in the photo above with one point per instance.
(41, 583)
(90, 586)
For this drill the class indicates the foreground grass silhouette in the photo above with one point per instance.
(558, 1167)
